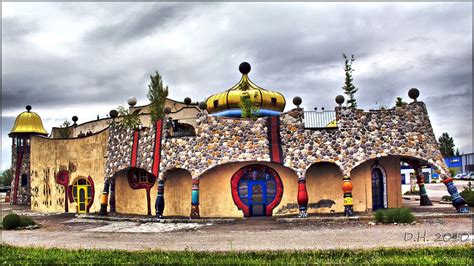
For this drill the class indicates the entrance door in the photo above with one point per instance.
(377, 189)
(82, 199)
(257, 197)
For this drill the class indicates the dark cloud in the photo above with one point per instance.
(293, 48)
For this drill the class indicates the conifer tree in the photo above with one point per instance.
(399, 102)
(349, 88)
(157, 94)
(446, 145)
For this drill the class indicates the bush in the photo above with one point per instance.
(26, 221)
(468, 196)
(446, 198)
(416, 192)
(11, 221)
(398, 215)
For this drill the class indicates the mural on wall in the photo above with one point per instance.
(141, 179)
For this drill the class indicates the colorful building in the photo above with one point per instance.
(206, 161)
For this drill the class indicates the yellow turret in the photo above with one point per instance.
(227, 103)
(28, 123)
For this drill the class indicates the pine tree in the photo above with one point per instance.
(446, 145)
(399, 102)
(349, 88)
(157, 94)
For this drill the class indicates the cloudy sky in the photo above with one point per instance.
(84, 59)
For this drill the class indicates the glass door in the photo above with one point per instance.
(257, 197)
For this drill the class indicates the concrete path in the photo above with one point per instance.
(249, 234)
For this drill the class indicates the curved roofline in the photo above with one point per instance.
(93, 134)
(175, 101)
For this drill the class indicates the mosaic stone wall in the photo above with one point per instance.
(23, 192)
(360, 136)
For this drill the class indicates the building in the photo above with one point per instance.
(206, 161)
(461, 164)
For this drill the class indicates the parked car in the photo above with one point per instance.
(461, 176)
(4, 188)
(471, 175)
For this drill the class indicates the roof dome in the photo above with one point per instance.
(227, 103)
(28, 123)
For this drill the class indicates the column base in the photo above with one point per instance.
(463, 209)
(303, 214)
(195, 212)
(103, 210)
(348, 211)
(425, 201)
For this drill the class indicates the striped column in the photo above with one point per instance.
(104, 198)
(458, 201)
(302, 198)
(420, 179)
(160, 199)
(347, 189)
(195, 200)
(112, 196)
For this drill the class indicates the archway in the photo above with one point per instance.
(132, 189)
(177, 192)
(379, 187)
(323, 183)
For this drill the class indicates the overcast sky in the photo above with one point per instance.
(84, 59)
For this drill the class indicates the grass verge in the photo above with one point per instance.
(429, 255)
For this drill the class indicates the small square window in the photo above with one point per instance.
(274, 101)
(216, 103)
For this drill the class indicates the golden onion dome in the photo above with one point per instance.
(28, 123)
(227, 103)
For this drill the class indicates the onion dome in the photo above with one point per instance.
(28, 123)
(227, 103)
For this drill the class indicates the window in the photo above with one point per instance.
(216, 103)
(274, 101)
(24, 180)
(139, 178)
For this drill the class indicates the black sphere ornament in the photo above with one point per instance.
(167, 110)
(187, 101)
(413, 93)
(28, 107)
(74, 119)
(113, 114)
(297, 101)
(244, 68)
(340, 99)
(203, 105)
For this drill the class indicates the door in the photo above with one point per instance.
(377, 189)
(257, 197)
(82, 199)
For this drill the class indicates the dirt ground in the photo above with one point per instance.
(66, 231)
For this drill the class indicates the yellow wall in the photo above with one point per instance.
(323, 182)
(131, 201)
(178, 186)
(48, 156)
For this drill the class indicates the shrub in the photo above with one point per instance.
(11, 221)
(26, 221)
(416, 192)
(397, 215)
(468, 196)
(446, 198)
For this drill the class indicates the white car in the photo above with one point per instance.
(461, 176)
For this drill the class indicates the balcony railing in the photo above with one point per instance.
(183, 127)
(320, 119)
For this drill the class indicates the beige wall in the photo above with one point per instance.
(48, 156)
(132, 201)
(323, 182)
(178, 186)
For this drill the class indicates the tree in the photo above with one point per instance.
(64, 129)
(457, 152)
(399, 102)
(129, 120)
(446, 145)
(7, 177)
(349, 88)
(249, 110)
(157, 94)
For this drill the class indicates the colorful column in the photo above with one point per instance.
(347, 188)
(458, 201)
(195, 200)
(104, 198)
(112, 196)
(160, 199)
(302, 198)
(420, 179)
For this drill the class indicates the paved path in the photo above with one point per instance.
(250, 234)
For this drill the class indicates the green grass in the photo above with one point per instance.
(429, 255)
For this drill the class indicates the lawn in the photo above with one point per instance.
(431, 255)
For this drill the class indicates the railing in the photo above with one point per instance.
(183, 127)
(320, 119)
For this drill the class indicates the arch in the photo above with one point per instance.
(216, 191)
(323, 185)
(266, 177)
(81, 191)
(177, 192)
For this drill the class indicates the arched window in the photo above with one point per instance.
(82, 192)
(139, 178)
(379, 187)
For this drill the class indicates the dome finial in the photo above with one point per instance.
(244, 68)
(28, 108)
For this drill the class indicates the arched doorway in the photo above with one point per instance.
(256, 190)
(379, 187)
(82, 193)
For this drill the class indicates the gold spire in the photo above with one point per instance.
(28, 123)
(230, 99)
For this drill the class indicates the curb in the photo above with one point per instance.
(371, 217)
(158, 220)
